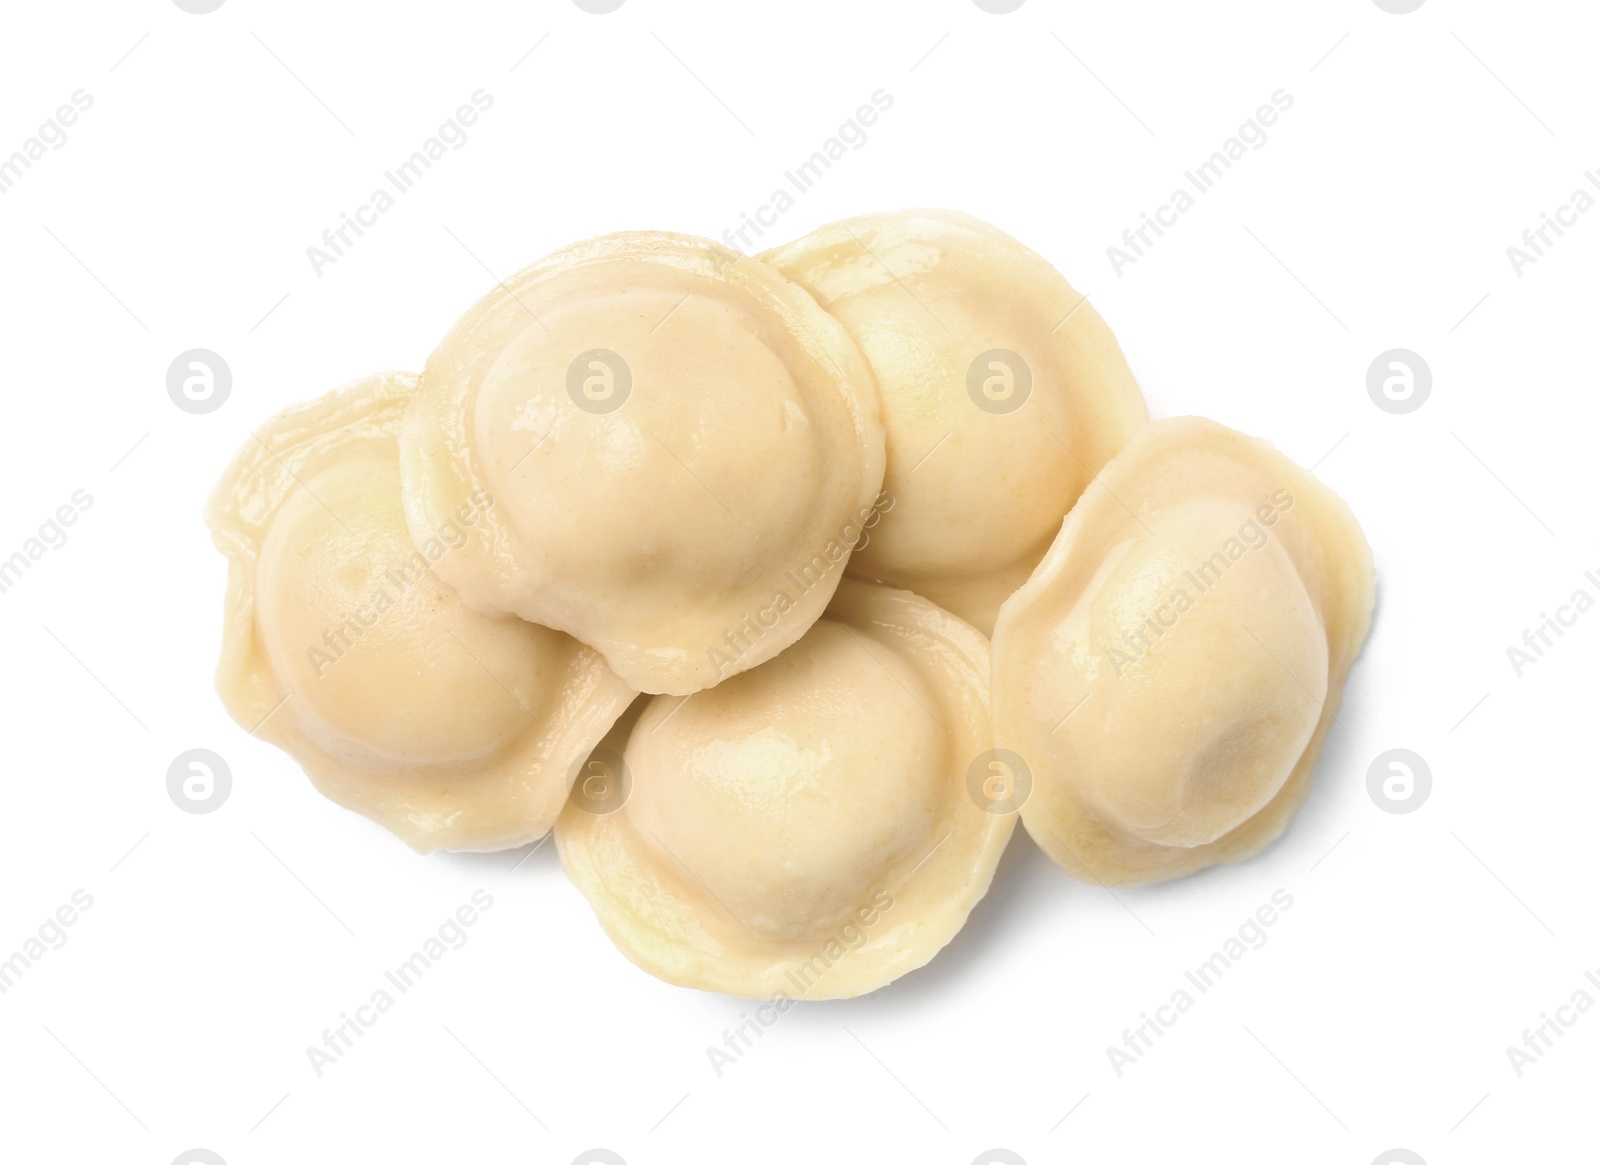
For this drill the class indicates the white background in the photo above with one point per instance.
(178, 214)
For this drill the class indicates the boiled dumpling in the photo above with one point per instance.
(805, 829)
(1003, 394)
(452, 729)
(1169, 672)
(683, 447)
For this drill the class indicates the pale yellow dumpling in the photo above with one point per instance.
(1169, 671)
(1003, 394)
(804, 829)
(341, 645)
(683, 446)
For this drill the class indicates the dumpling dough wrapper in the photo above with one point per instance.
(804, 830)
(452, 729)
(1169, 672)
(683, 447)
(1004, 393)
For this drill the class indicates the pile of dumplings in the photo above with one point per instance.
(780, 588)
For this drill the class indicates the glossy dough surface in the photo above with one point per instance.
(1169, 671)
(452, 729)
(803, 829)
(683, 447)
(1003, 393)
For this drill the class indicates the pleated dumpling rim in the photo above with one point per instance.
(506, 801)
(662, 918)
(1334, 562)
